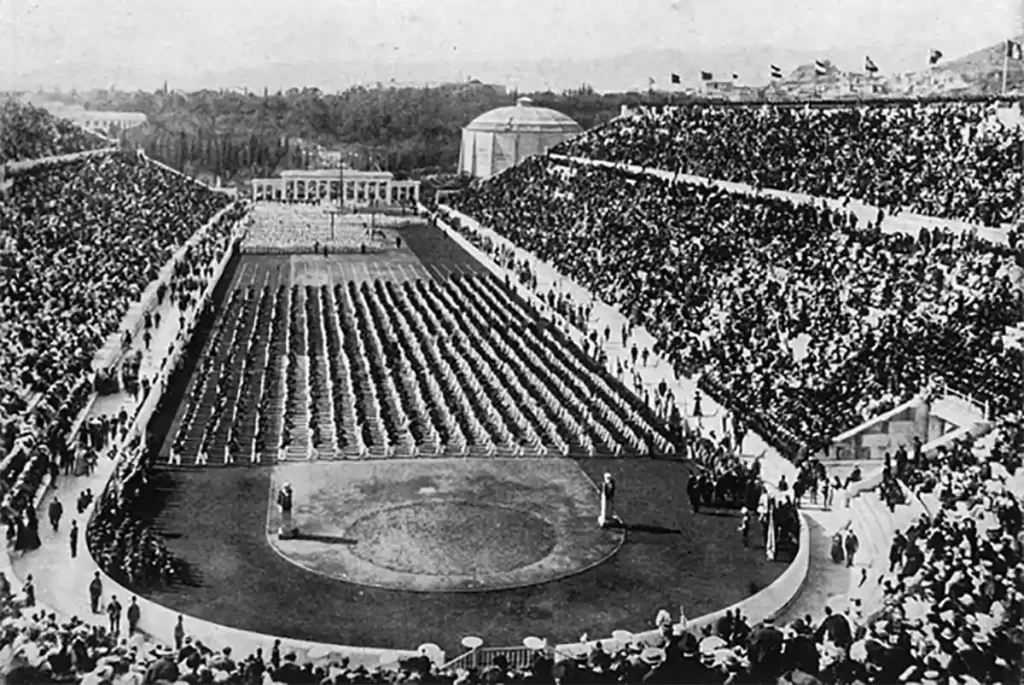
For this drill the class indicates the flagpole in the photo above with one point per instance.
(1006, 64)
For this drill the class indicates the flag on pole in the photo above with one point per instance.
(706, 76)
(769, 544)
(820, 68)
(935, 57)
(650, 82)
(735, 76)
(676, 79)
(776, 72)
(1014, 50)
(869, 65)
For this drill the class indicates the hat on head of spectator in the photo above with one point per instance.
(652, 656)
(688, 645)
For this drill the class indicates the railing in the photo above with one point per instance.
(984, 406)
(517, 657)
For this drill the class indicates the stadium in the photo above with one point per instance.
(680, 397)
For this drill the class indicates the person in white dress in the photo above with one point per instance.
(607, 516)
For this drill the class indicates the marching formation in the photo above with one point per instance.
(381, 369)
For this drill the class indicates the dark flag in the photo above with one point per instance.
(1013, 50)
(706, 76)
(820, 68)
(735, 76)
(776, 72)
(935, 57)
(676, 79)
(869, 65)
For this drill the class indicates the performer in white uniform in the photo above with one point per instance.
(607, 502)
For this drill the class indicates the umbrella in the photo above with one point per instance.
(471, 642)
(432, 652)
(623, 636)
(711, 643)
(533, 643)
(318, 652)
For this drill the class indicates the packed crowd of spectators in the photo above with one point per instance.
(121, 540)
(28, 132)
(950, 160)
(304, 227)
(795, 317)
(82, 240)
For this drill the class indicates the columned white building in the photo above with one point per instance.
(362, 188)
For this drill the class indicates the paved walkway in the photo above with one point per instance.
(825, 579)
(62, 582)
(904, 222)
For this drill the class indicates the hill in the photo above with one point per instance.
(983, 69)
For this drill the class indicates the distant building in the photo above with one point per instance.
(91, 120)
(504, 137)
(362, 188)
(730, 91)
(490, 87)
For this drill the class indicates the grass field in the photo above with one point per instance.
(215, 519)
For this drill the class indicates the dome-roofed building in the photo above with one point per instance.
(503, 137)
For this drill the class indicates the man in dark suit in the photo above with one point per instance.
(836, 628)
(766, 643)
(284, 504)
(95, 592)
(800, 652)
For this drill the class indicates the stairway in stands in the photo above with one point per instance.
(876, 526)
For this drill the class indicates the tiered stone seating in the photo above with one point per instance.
(876, 526)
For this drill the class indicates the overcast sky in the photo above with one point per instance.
(177, 36)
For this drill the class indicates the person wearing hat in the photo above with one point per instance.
(800, 652)
(744, 528)
(284, 504)
(114, 614)
(95, 592)
(55, 510)
(851, 544)
(133, 615)
(766, 644)
(179, 633)
(163, 669)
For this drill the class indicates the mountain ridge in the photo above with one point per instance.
(625, 72)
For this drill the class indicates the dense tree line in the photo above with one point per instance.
(241, 135)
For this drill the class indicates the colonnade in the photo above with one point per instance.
(373, 188)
